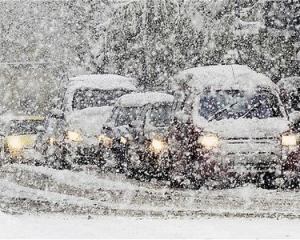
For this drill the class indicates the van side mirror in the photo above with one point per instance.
(182, 117)
(294, 116)
(57, 113)
(136, 124)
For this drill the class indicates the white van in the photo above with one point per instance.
(229, 125)
(72, 132)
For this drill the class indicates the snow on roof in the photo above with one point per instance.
(141, 99)
(102, 81)
(223, 77)
(289, 83)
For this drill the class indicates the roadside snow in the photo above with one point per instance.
(67, 226)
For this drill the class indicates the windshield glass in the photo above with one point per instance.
(126, 115)
(84, 98)
(161, 114)
(235, 104)
(24, 127)
(291, 99)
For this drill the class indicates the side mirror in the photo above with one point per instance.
(136, 124)
(107, 126)
(182, 117)
(40, 128)
(294, 116)
(57, 113)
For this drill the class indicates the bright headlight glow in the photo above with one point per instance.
(106, 141)
(158, 146)
(52, 140)
(14, 143)
(123, 140)
(209, 141)
(73, 136)
(289, 140)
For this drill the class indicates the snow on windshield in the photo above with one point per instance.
(225, 104)
(125, 115)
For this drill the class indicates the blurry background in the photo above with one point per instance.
(43, 42)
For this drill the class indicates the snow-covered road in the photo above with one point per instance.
(29, 189)
(67, 226)
(38, 202)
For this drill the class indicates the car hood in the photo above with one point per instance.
(89, 121)
(248, 128)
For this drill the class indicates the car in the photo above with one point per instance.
(290, 96)
(135, 134)
(18, 137)
(72, 129)
(229, 127)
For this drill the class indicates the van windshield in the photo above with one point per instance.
(125, 115)
(235, 104)
(161, 114)
(24, 127)
(84, 98)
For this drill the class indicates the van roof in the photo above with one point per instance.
(141, 99)
(223, 77)
(290, 83)
(102, 81)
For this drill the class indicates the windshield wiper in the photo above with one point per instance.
(255, 106)
(217, 113)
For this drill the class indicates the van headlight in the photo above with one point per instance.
(15, 144)
(289, 140)
(74, 136)
(106, 141)
(158, 146)
(209, 140)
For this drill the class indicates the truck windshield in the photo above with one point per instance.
(235, 104)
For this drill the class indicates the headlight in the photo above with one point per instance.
(106, 141)
(158, 146)
(123, 140)
(14, 144)
(289, 140)
(52, 140)
(209, 141)
(73, 136)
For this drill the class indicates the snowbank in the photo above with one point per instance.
(62, 226)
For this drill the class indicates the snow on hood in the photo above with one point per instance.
(224, 77)
(89, 120)
(246, 128)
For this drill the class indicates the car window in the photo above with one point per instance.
(235, 104)
(24, 127)
(160, 114)
(295, 100)
(126, 115)
(84, 98)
